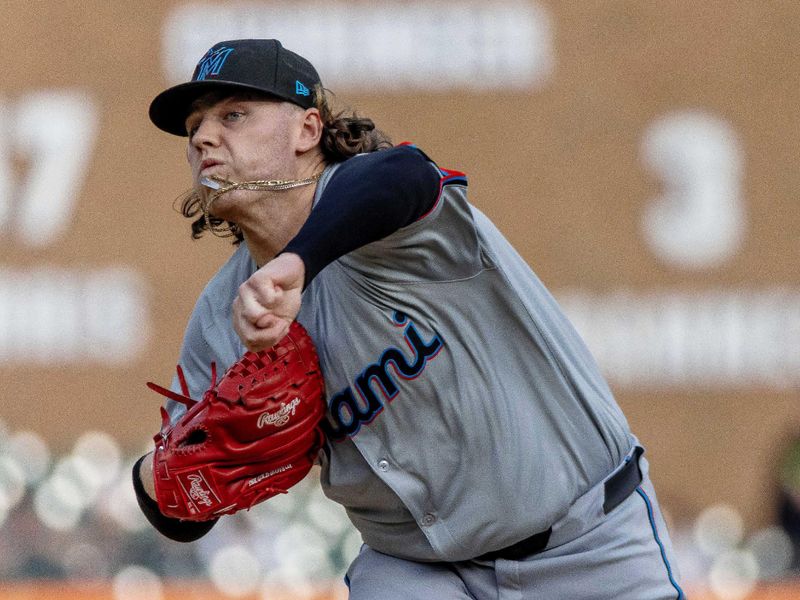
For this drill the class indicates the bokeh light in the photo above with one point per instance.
(718, 528)
(328, 517)
(58, 503)
(100, 452)
(773, 551)
(4, 435)
(30, 449)
(303, 550)
(351, 545)
(85, 562)
(135, 582)
(235, 571)
(120, 505)
(733, 575)
(80, 476)
(263, 516)
(283, 505)
(12, 481)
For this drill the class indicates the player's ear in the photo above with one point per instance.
(310, 130)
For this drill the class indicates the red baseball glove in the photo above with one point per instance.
(253, 435)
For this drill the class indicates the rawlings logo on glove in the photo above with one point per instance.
(199, 490)
(253, 435)
(280, 417)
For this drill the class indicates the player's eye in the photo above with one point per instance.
(192, 125)
(234, 115)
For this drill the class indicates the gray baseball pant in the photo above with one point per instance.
(625, 555)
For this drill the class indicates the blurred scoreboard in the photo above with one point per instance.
(639, 155)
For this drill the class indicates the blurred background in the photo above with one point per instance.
(641, 156)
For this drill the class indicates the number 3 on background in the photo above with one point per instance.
(699, 219)
(51, 132)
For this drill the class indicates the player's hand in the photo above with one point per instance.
(269, 301)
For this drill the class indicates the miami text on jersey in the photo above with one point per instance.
(348, 414)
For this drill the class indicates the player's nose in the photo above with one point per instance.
(206, 133)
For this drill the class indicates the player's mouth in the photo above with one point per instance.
(208, 164)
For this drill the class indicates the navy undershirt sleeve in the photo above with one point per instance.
(368, 198)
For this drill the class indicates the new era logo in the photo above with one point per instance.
(300, 89)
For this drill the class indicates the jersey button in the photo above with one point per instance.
(428, 520)
(383, 465)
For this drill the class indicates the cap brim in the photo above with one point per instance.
(169, 110)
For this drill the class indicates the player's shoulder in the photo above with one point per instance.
(403, 158)
(412, 152)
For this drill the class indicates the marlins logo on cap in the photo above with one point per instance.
(211, 63)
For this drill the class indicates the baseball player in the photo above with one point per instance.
(469, 434)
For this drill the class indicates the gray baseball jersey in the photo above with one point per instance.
(465, 411)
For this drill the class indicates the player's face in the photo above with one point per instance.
(242, 140)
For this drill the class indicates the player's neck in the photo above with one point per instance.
(275, 220)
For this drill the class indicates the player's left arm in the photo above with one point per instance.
(367, 199)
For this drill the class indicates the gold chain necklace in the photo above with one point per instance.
(223, 186)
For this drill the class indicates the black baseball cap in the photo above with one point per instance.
(238, 65)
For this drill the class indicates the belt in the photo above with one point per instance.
(617, 488)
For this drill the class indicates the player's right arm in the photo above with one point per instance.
(269, 301)
(367, 199)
